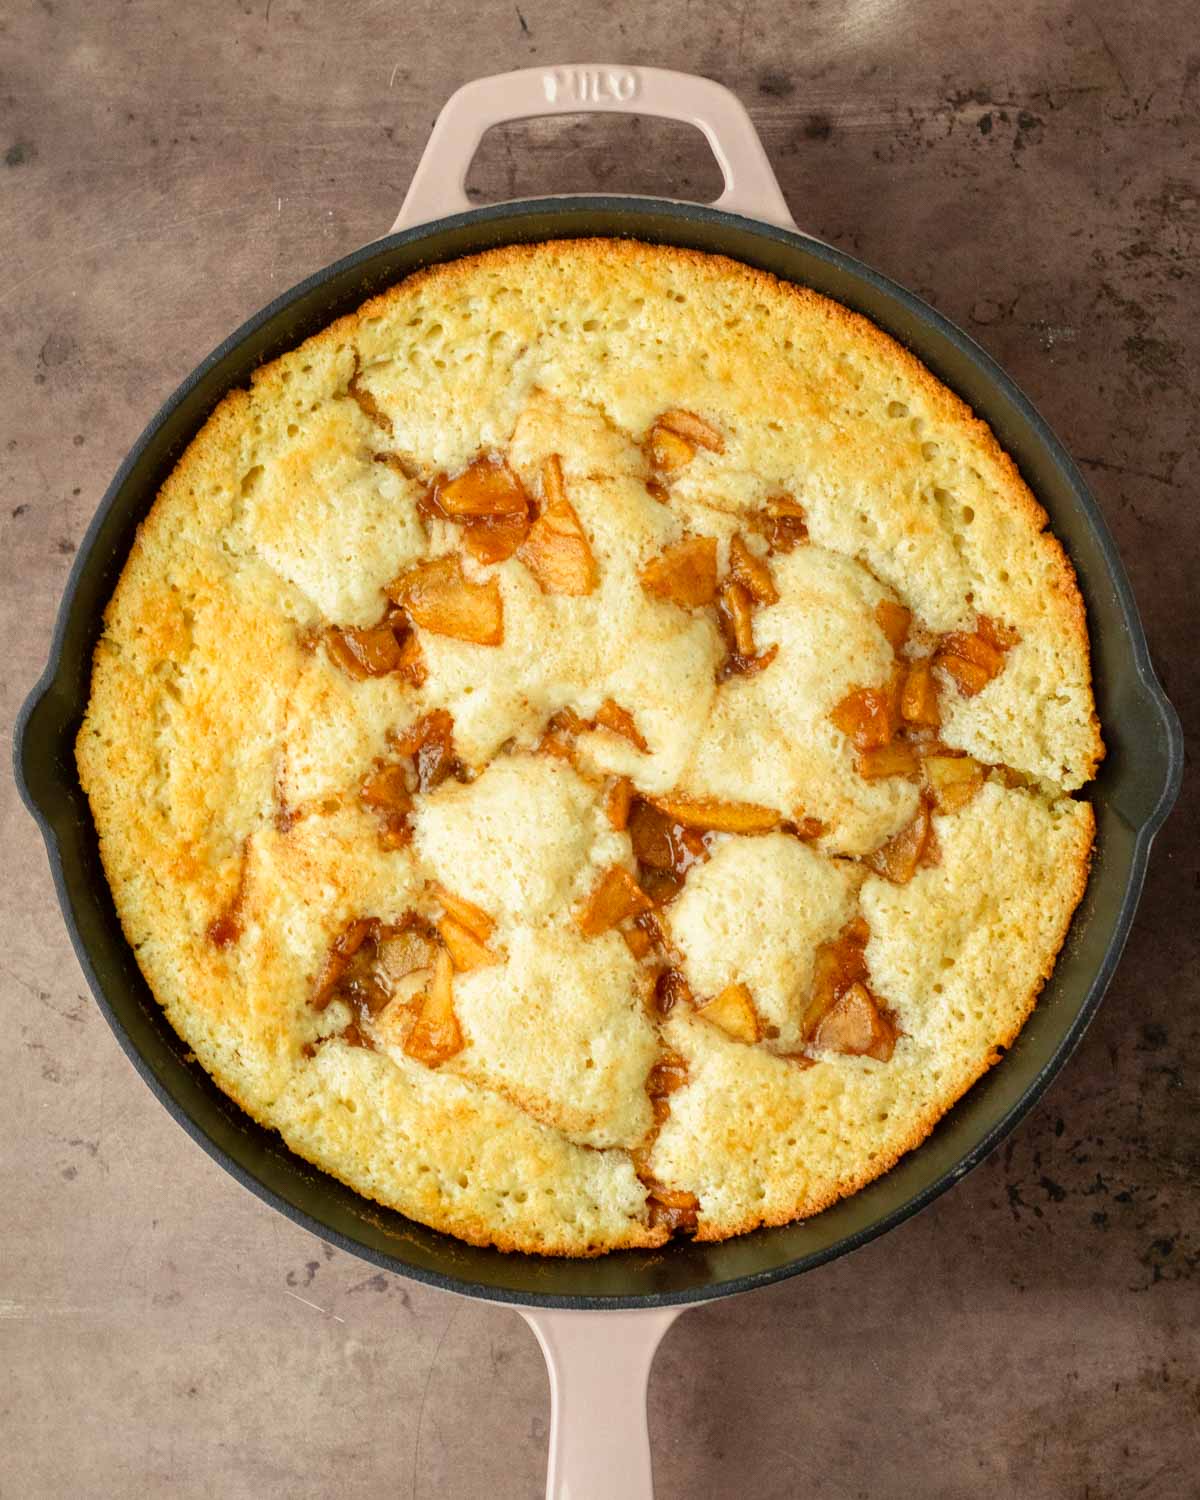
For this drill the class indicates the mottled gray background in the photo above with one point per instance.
(1029, 168)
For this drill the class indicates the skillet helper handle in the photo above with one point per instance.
(599, 1364)
(438, 185)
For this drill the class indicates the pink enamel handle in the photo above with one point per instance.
(599, 1365)
(437, 188)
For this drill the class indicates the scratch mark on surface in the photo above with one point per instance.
(1101, 463)
(392, 79)
(296, 1297)
(425, 1398)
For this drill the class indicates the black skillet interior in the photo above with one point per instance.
(1134, 792)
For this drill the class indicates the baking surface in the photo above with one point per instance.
(164, 173)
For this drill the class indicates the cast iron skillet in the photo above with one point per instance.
(1135, 789)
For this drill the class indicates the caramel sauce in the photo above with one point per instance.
(226, 928)
(664, 849)
(354, 974)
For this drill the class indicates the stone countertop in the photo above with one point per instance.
(1033, 173)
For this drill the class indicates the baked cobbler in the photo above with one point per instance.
(584, 748)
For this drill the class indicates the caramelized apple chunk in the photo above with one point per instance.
(783, 523)
(495, 541)
(843, 1015)
(465, 913)
(386, 793)
(464, 947)
(896, 759)
(671, 1208)
(436, 1035)
(735, 611)
(897, 860)
(953, 780)
(617, 801)
(688, 425)
(441, 599)
(371, 650)
(488, 487)
(895, 621)
(836, 966)
(430, 742)
(868, 717)
(615, 897)
(713, 816)
(856, 1027)
(733, 1011)
(973, 658)
(685, 574)
(617, 720)
(918, 697)
(751, 572)
(666, 451)
(557, 551)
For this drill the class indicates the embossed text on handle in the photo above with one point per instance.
(590, 85)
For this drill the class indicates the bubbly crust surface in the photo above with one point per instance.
(227, 750)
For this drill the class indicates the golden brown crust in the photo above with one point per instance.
(207, 716)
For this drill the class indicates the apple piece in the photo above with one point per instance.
(968, 676)
(403, 952)
(670, 1208)
(896, 759)
(617, 720)
(733, 1011)
(441, 599)
(617, 801)
(894, 620)
(735, 609)
(345, 946)
(805, 828)
(974, 648)
(713, 816)
(491, 542)
(487, 487)
(953, 780)
(666, 451)
(897, 860)
(855, 1027)
(868, 717)
(751, 572)
(688, 425)
(371, 650)
(616, 896)
(466, 913)
(783, 523)
(557, 551)
(465, 949)
(638, 941)
(998, 635)
(918, 697)
(386, 790)
(436, 1035)
(836, 966)
(430, 742)
(685, 573)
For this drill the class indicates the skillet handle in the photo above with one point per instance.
(437, 187)
(599, 1364)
